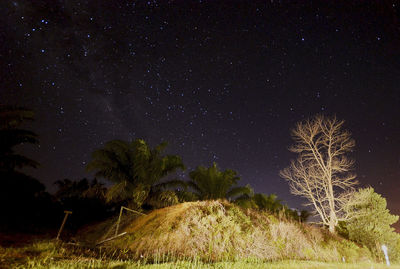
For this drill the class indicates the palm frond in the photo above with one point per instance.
(133, 164)
(174, 183)
(237, 191)
(211, 183)
(13, 137)
(12, 116)
(11, 161)
(119, 192)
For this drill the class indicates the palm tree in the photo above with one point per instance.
(260, 201)
(268, 202)
(18, 191)
(133, 167)
(211, 183)
(83, 188)
(12, 117)
(11, 135)
(68, 188)
(272, 204)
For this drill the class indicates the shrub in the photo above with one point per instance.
(369, 222)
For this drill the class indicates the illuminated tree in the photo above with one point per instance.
(322, 171)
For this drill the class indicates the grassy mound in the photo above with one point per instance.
(218, 230)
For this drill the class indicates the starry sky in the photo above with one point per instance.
(221, 81)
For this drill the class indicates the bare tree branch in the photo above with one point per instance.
(322, 173)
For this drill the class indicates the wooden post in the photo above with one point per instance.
(111, 238)
(120, 215)
(63, 223)
(119, 219)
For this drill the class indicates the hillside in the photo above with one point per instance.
(218, 230)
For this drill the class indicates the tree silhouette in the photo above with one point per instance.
(21, 196)
(11, 135)
(133, 167)
(81, 188)
(86, 199)
(211, 183)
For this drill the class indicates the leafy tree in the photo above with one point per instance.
(369, 221)
(168, 193)
(211, 183)
(134, 168)
(20, 192)
(271, 204)
(161, 198)
(184, 195)
(268, 202)
(246, 201)
(294, 214)
(260, 201)
(81, 188)
(322, 171)
(11, 135)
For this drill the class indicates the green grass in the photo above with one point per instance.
(93, 263)
(49, 254)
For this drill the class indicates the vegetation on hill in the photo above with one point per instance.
(220, 231)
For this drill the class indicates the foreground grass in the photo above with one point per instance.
(47, 254)
(72, 264)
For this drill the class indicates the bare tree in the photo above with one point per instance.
(322, 171)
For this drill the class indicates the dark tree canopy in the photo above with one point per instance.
(11, 135)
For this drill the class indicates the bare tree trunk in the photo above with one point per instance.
(332, 223)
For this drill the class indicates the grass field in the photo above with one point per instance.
(93, 263)
(97, 263)
(48, 254)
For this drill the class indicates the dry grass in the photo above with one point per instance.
(219, 231)
(49, 254)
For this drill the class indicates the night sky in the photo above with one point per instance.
(220, 81)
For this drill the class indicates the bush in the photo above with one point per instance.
(369, 222)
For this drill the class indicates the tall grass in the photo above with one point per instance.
(213, 231)
(54, 255)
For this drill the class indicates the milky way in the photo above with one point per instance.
(220, 81)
